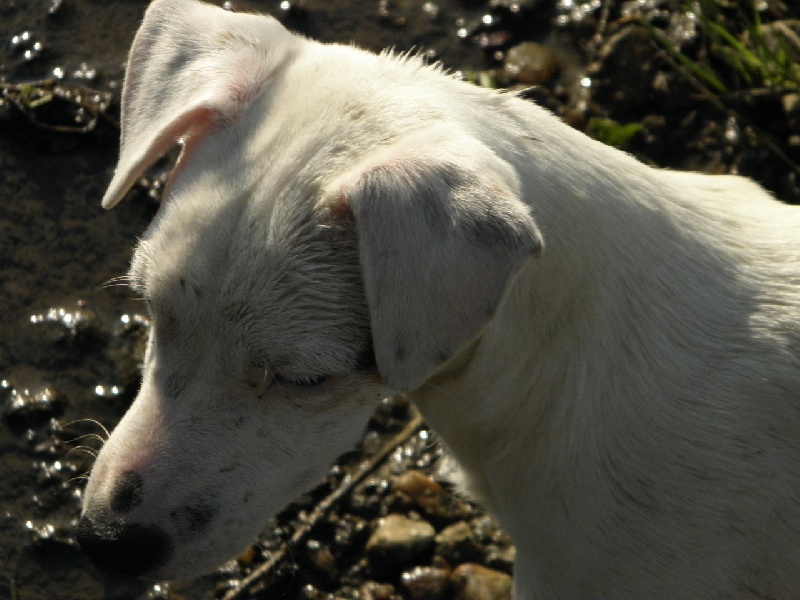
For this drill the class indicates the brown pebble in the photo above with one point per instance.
(426, 583)
(372, 590)
(474, 582)
(398, 539)
(531, 63)
(429, 497)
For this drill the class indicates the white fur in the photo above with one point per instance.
(627, 403)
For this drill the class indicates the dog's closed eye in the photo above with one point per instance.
(306, 381)
(259, 378)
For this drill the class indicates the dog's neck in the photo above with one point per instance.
(599, 306)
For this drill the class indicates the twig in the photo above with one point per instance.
(242, 590)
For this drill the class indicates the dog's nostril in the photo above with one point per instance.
(130, 550)
(127, 492)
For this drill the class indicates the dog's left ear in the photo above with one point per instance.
(192, 66)
(441, 232)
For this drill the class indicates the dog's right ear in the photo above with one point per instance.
(192, 66)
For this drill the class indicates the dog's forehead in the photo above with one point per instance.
(233, 244)
(257, 266)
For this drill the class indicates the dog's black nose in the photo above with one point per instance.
(119, 549)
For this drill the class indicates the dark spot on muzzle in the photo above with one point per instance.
(115, 548)
(193, 518)
(127, 492)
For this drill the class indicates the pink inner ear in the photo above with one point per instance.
(193, 124)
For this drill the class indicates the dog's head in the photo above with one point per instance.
(329, 236)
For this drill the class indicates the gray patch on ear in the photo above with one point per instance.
(439, 244)
(492, 230)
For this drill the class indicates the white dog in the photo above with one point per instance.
(342, 226)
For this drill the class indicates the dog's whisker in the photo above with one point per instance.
(87, 436)
(106, 433)
(86, 450)
(77, 478)
(119, 281)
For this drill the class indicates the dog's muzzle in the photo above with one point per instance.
(117, 547)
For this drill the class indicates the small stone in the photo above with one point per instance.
(397, 540)
(501, 557)
(531, 63)
(426, 583)
(791, 103)
(323, 560)
(429, 497)
(457, 544)
(474, 582)
(372, 590)
(248, 557)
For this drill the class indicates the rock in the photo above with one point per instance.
(791, 103)
(457, 544)
(474, 582)
(397, 540)
(372, 590)
(323, 560)
(426, 583)
(501, 557)
(531, 63)
(416, 488)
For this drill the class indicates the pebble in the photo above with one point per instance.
(372, 590)
(531, 63)
(456, 544)
(474, 582)
(426, 583)
(397, 540)
(501, 557)
(416, 488)
(791, 103)
(323, 560)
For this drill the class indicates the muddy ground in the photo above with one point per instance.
(70, 345)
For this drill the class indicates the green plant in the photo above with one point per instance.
(612, 133)
(761, 55)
